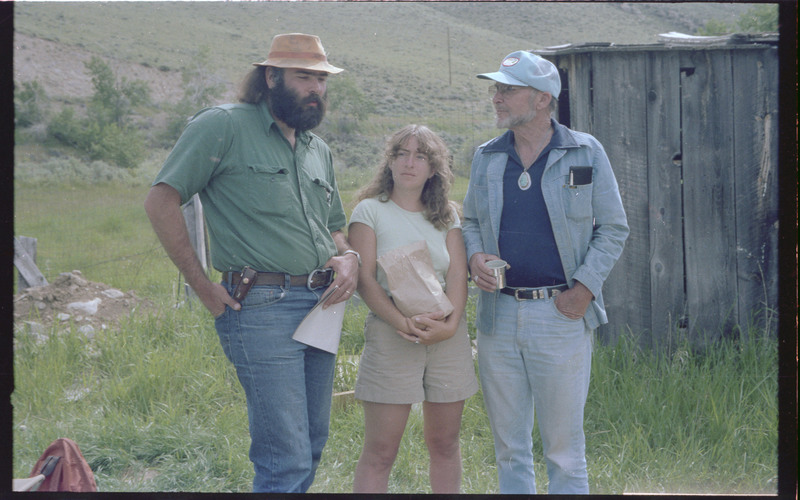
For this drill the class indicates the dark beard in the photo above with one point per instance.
(288, 108)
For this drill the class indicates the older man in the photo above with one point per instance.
(274, 219)
(543, 198)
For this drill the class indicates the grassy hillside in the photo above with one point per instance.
(415, 61)
(397, 52)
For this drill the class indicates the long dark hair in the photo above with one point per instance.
(254, 88)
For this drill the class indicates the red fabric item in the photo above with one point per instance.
(71, 473)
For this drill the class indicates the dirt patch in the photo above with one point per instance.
(72, 300)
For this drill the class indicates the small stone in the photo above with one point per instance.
(113, 293)
(89, 307)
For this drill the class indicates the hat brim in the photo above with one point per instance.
(502, 78)
(301, 64)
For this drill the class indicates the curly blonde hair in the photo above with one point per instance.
(438, 208)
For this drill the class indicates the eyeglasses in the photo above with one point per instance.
(503, 90)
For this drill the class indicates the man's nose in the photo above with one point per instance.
(318, 88)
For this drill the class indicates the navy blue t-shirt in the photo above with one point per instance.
(526, 235)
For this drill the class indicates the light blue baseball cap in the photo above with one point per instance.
(529, 70)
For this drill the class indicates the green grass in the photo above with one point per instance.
(155, 406)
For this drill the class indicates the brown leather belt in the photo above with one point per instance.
(317, 279)
(544, 292)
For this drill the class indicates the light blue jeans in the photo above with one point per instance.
(288, 385)
(539, 358)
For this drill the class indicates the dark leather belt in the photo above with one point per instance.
(545, 292)
(317, 279)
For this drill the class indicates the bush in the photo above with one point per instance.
(68, 129)
(30, 104)
(121, 146)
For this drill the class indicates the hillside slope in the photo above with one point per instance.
(398, 53)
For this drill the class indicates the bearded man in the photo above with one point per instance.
(274, 221)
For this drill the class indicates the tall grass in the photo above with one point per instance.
(155, 406)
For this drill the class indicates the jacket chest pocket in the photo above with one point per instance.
(577, 201)
(269, 189)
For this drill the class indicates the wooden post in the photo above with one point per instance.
(25, 262)
(195, 224)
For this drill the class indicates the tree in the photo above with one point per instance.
(348, 104)
(106, 133)
(759, 18)
(113, 100)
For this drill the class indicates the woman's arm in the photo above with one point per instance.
(362, 238)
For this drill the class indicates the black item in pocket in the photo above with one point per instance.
(580, 176)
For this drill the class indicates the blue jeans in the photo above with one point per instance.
(288, 385)
(537, 357)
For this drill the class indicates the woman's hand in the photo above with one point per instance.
(429, 328)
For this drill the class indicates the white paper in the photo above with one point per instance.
(322, 328)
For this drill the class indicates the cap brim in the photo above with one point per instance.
(300, 64)
(502, 78)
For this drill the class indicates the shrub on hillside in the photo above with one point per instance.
(105, 134)
(30, 104)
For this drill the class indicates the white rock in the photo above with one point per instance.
(113, 293)
(89, 307)
(63, 316)
(87, 330)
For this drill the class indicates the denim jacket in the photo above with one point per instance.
(588, 220)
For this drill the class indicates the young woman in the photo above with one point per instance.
(426, 357)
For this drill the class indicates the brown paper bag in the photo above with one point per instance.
(412, 280)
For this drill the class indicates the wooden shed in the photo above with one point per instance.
(690, 126)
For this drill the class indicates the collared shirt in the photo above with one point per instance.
(526, 238)
(266, 205)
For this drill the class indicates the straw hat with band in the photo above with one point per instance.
(297, 50)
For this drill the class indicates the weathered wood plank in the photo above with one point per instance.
(578, 68)
(24, 262)
(708, 176)
(619, 109)
(665, 208)
(755, 79)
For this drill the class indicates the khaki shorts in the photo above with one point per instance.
(396, 371)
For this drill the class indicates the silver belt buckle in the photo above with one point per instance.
(312, 275)
(516, 295)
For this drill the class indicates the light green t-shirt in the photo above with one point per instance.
(266, 205)
(396, 227)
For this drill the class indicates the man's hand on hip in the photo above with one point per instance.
(574, 302)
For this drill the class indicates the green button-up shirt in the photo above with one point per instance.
(266, 205)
